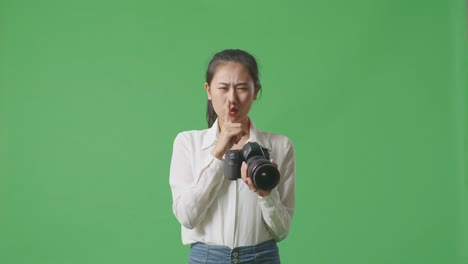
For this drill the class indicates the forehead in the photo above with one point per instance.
(231, 71)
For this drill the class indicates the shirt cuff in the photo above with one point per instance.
(271, 200)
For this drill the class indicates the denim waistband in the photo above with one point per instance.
(265, 252)
(254, 248)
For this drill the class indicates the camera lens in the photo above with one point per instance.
(263, 173)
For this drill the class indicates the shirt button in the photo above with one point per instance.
(235, 254)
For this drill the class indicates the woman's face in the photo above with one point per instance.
(231, 91)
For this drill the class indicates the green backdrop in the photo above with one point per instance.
(372, 93)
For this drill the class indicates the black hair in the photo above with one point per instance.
(229, 55)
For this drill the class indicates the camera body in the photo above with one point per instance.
(263, 174)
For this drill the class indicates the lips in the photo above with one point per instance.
(233, 111)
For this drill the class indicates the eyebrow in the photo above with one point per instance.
(237, 84)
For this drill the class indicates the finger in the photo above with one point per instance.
(241, 131)
(227, 117)
(244, 171)
(251, 185)
(234, 139)
(274, 163)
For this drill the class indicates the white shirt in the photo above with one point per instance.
(218, 211)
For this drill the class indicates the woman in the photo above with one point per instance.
(230, 221)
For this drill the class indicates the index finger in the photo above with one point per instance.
(227, 117)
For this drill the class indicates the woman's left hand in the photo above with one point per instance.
(249, 182)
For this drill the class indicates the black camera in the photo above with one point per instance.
(263, 174)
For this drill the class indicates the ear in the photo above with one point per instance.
(257, 89)
(208, 90)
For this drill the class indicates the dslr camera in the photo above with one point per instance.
(263, 174)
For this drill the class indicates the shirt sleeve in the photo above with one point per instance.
(192, 195)
(278, 207)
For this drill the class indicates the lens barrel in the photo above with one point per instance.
(263, 173)
(232, 164)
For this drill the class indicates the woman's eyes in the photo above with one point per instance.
(238, 88)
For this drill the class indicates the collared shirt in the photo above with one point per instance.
(218, 211)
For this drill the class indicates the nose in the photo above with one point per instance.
(232, 95)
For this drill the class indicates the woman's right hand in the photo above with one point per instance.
(230, 134)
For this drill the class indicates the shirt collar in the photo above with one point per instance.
(255, 136)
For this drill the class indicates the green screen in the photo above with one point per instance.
(371, 92)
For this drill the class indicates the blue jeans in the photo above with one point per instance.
(263, 253)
